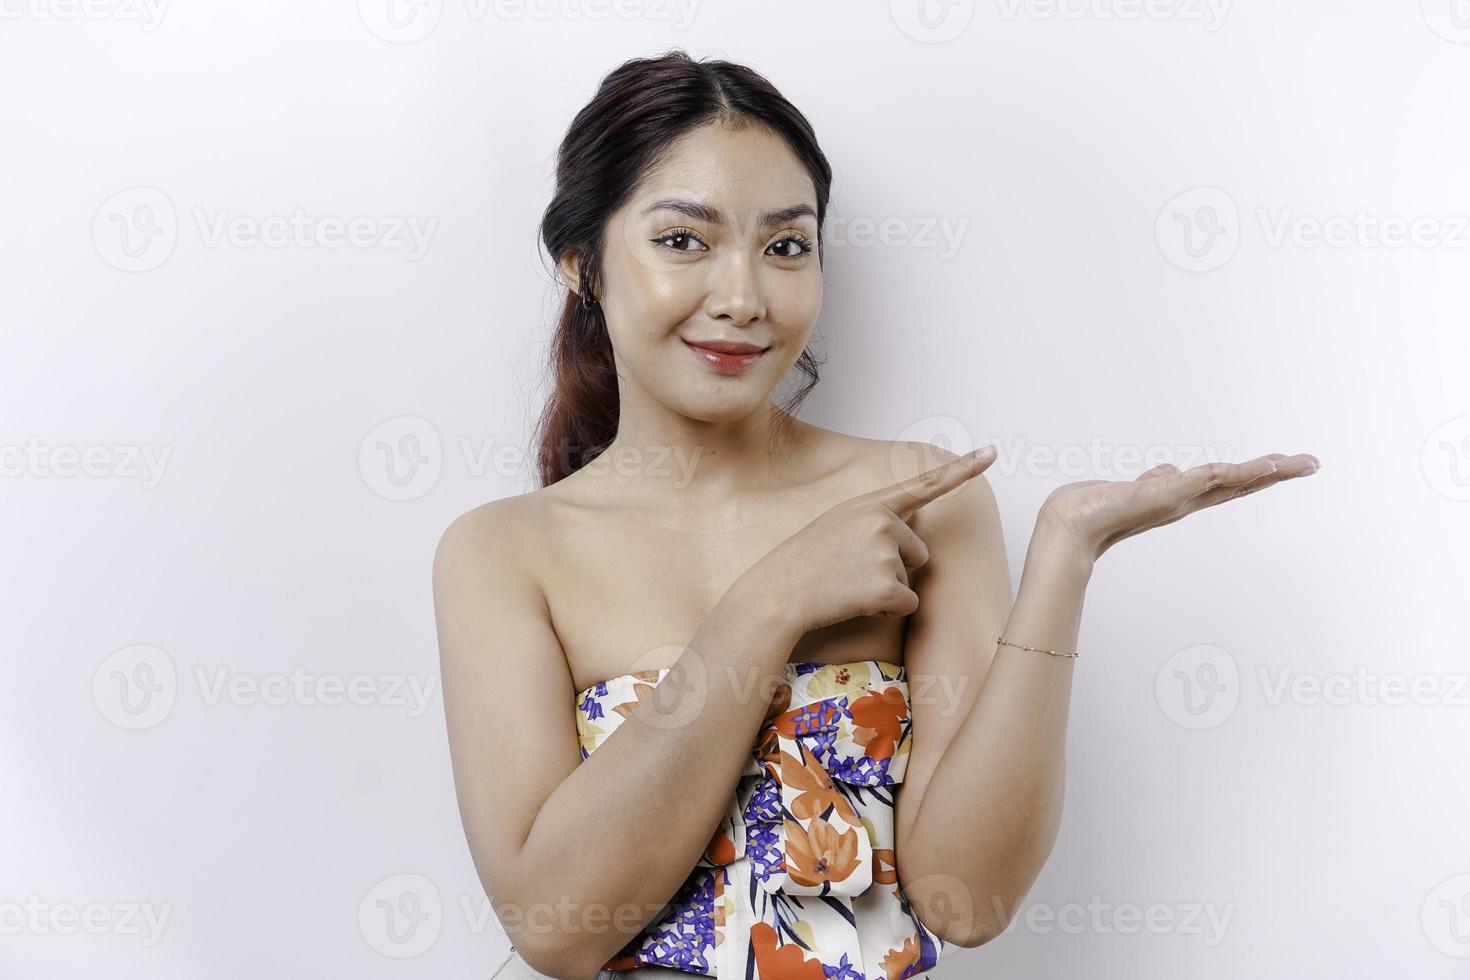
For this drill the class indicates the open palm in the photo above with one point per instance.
(1100, 513)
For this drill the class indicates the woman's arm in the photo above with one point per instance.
(979, 807)
(989, 815)
(971, 843)
(578, 856)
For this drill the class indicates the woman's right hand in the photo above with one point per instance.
(854, 559)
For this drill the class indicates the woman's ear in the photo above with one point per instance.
(570, 268)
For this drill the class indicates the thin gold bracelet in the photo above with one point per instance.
(1001, 639)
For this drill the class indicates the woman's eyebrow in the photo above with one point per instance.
(714, 216)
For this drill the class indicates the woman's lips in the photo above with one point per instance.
(722, 363)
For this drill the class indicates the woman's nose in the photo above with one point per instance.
(735, 291)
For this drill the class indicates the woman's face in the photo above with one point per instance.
(718, 245)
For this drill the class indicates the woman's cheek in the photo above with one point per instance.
(799, 303)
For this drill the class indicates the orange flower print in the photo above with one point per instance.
(780, 702)
(626, 960)
(837, 679)
(815, 805)
(767, 749)
(897, 961)
(777, 962)
(721, 848)
(640, 692)
(885, 872)
(815, 790)
(717, 906)
(878, 717)
(820, 854)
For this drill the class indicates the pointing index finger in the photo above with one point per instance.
(905, 497)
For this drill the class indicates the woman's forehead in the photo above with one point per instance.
(749, 171)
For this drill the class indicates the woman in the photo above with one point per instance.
(732, 694)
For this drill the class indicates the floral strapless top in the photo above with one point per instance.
(799, 880)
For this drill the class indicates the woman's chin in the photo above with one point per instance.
(729, 406)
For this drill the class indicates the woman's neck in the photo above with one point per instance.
(700, 461)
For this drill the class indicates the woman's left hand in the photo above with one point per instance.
(1097, 514)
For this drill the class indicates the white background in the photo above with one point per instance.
(1086, 307)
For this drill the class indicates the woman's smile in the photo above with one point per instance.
(726, 357)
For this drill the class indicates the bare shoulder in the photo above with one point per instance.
(963, 528)
(488, 590)
(508, 695)
(859, 464)
(492, 531)
(892, 461)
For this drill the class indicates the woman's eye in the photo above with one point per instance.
(680, 239)
(796, 246)
(678, 235)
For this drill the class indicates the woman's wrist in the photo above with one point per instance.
(1047, 611)
(771, 615)
(1055, 553)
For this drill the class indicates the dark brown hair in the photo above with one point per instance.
(639, 110)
